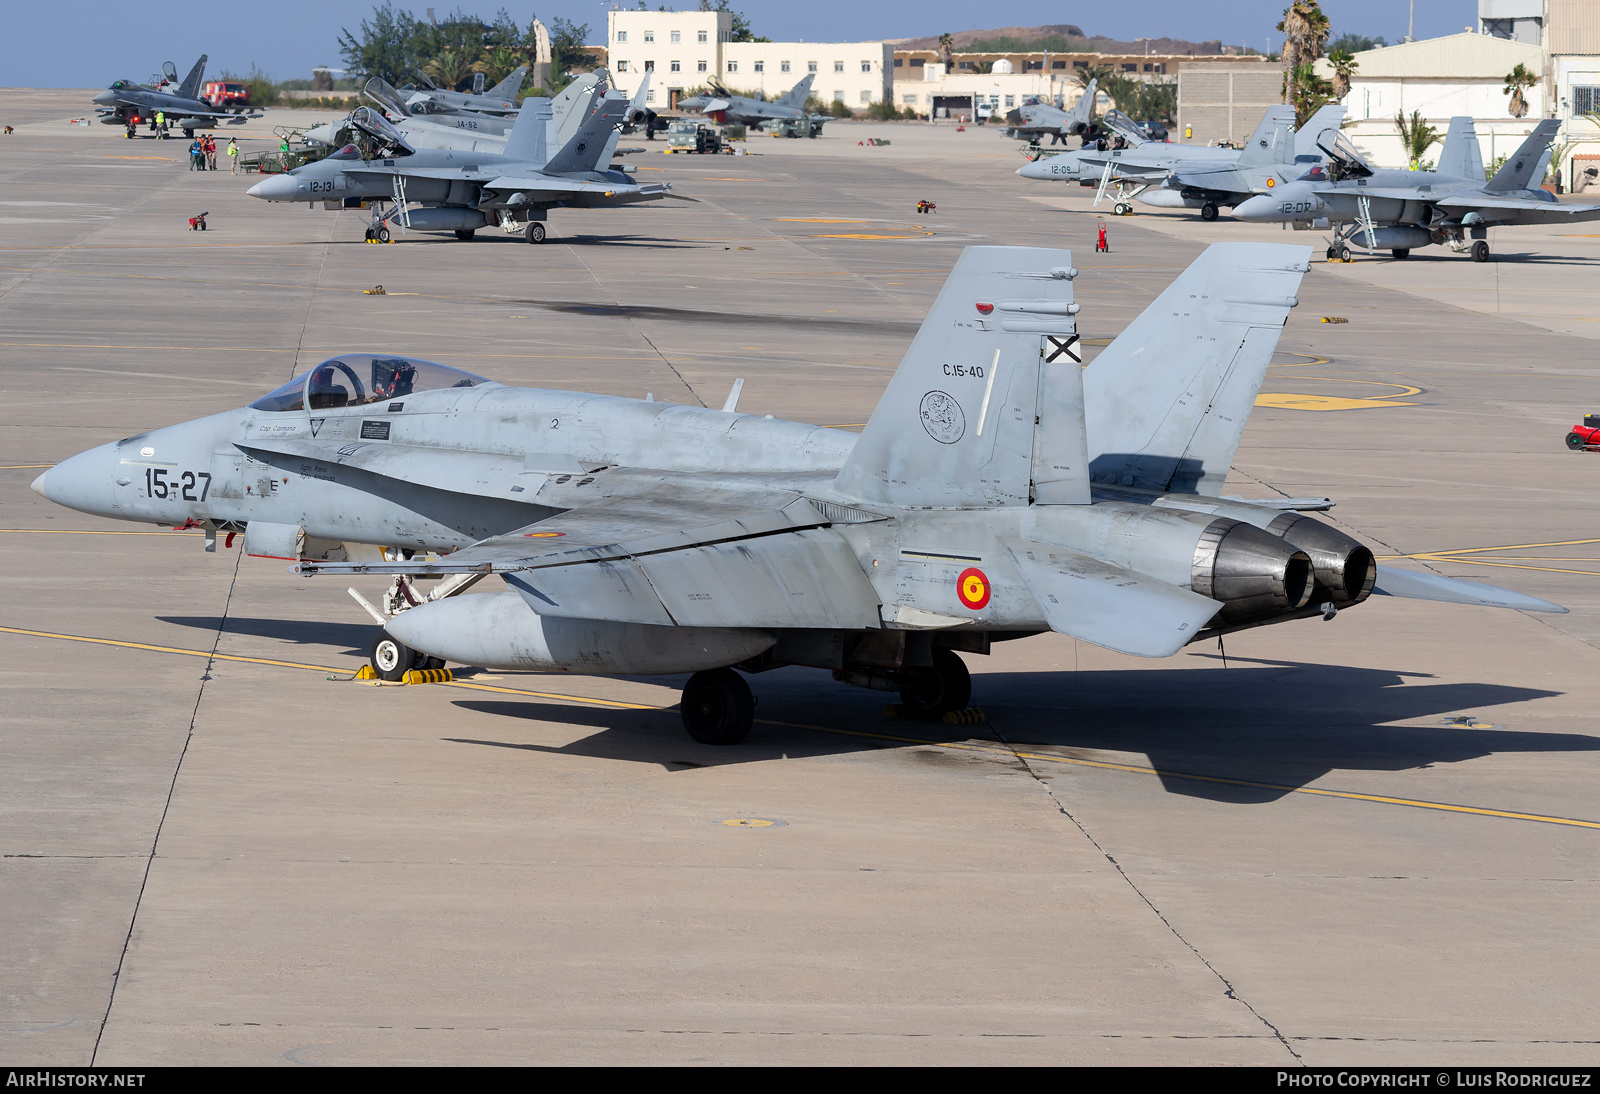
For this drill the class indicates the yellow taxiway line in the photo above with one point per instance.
(1103, 765)
(1462, 554)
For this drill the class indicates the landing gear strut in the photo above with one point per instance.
(717, 707)
(934, 692)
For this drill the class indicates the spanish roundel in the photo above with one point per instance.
(972, 588)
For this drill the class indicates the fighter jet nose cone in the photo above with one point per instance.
(105, 98)
(1260, 207)
(82, 482)
(276, 188)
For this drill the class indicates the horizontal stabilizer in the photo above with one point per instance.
(1107, 605)
(1415, 585)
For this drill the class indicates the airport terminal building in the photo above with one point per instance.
(684, 50)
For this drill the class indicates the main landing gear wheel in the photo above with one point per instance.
(717, 707)
(369, 236)
(1480, 251)
(1401, 252)
(1122, 209)
(932, 693)
(381, 235)
(1574, 441)
(465, 234)
(535, 232)
(1344, 254)
(1333, 253)
(391, 658)
(1208, 211)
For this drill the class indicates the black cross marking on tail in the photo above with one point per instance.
(1055, 347)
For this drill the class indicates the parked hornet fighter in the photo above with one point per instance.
(999, 490)
(461, 191)
(1385, 209)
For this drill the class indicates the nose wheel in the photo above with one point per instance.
(934, 692)
(391, 658)
(717, 707)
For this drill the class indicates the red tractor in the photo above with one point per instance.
(1585, 437)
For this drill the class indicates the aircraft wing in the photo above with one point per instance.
(1471, 203)
(554, 187)
(670, 556)
(1107, 605)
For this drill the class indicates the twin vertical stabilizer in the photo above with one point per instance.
(990, 406)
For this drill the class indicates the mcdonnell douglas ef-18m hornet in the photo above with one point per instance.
(999, 490)
(1187, 176)
(462, 191)
(130, 104)
(1384, 209)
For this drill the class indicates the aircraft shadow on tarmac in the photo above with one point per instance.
(1280, 723)
(721, 318)
(354, 638)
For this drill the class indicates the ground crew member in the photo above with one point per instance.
(197, 156)
(161, 123)
(233, 153)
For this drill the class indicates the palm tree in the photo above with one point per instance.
(1305, 30)
(947, 47)
(1309, 93)
(497, 63)
(1092, 72)
(1416, 135)
(1344, 66)
(449, 69)
(1516, 80)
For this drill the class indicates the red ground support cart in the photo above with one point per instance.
(1585, 437)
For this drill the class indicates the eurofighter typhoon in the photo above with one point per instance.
(999, 490)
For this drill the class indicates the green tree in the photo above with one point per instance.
(566, 50)
(451, 68)
(1416, 136)
(498, 62)
(1344, 66)
(947, 52)
(1518, 80)
(383, 46)
(1309, 93)
(1351, 42)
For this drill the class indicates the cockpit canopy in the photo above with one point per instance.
(1344, 162)
(355, 379)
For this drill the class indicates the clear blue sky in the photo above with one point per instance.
(89, 43)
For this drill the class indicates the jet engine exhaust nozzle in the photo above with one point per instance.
(1342, 566)
(1253, 573)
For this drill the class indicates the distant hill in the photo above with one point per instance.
(1065, 37)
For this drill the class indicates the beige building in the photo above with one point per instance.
(683, 50)
(1459, 74)
(1224, 102)
(997, 82)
